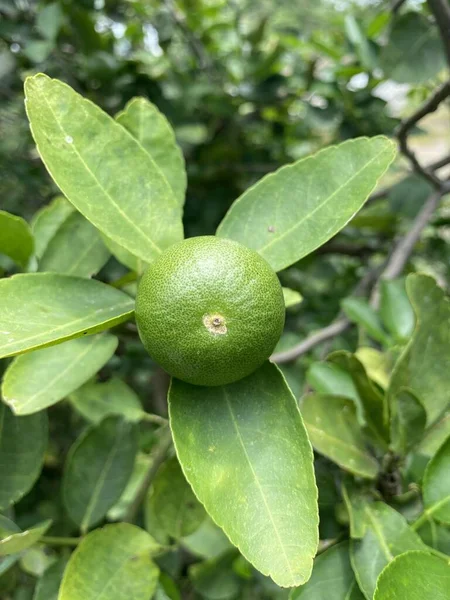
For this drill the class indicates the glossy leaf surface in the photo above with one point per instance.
(244, 449)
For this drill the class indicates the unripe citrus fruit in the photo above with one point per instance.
(210, 311)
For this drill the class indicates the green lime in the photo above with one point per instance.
(209, 311)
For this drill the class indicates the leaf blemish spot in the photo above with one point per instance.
(69, 139)
(271, 229)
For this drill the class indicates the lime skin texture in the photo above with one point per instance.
(209, 310)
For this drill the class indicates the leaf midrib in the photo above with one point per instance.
(327, 199)
(258, 485)
(99, 185)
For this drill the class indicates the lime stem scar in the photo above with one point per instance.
(215, 324)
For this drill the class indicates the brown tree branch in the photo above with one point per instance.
(405, 127)
(441, 13)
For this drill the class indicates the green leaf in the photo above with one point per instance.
(43, 309)
(173, 502)
(360, 312)
(414, 576)
(423, 366)
(355, 499)
(435, 436)
(327, 378)
(436, 485)
(373, 402)
(17, 542)
(23, 441)
(408, 420)
(48, 584)
(293, 211)
(396, 310)
(49, 20)
(331, 566)
(215, 579)
(47, 221)
(155, 134)
(208, 541)
(291, 297)
(387, 535)
(39, 379)
(125, 193)
(245, 452)
(435, 535)
(363, 48)
(76, 249)
(376, 364)
(97, 470)
(114, 563)
(95, 401)
(16, 238)
(118, 511)
(413, 53)
(134, 263)
(334, 432)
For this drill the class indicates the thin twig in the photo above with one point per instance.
(158, 457)
(313, 340)
(396, 5)
(441, 13)
(151, 418)
(405, 127)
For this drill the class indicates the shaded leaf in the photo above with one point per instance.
(215, 579)
(435, 535)
(173, 501)
(17, 542)
(435, 436)
(118, 511)
(293, 211)
(42, 309)
(373, 402)
(208, 541)
(376, 364)
(423, 365)
(334, 432)
(408, 421)
(413, 53)
(113, 397)
(360, 312)
(387, 535)
(23, 441)
(124, 195)
(16, 238)
(97, 470)
(39, 379)
(328, 378)
(414, 576)
(113, 562)
(331, 566)
(125, 257)
(244, 450)
(47, 587)
(47, 221)
(355, 499)
(436, 485)
(395, 309)
(153, 131)
(76, 249)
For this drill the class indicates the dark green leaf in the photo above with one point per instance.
(39, 379)
(215, 579)
(359, 311)
(436, 485)
(408, 421)
(173, 501)
(97, 470)
(423, 365)
(47, 221)
(413, 53)
(16, 238)
(125, 194)
(42, 309)
(244, 450)
(48, 584)
(333, 566)
(290, 213)
(23, 441)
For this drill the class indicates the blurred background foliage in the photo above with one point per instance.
(248, 86)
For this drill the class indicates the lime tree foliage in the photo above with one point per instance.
(224, 169)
